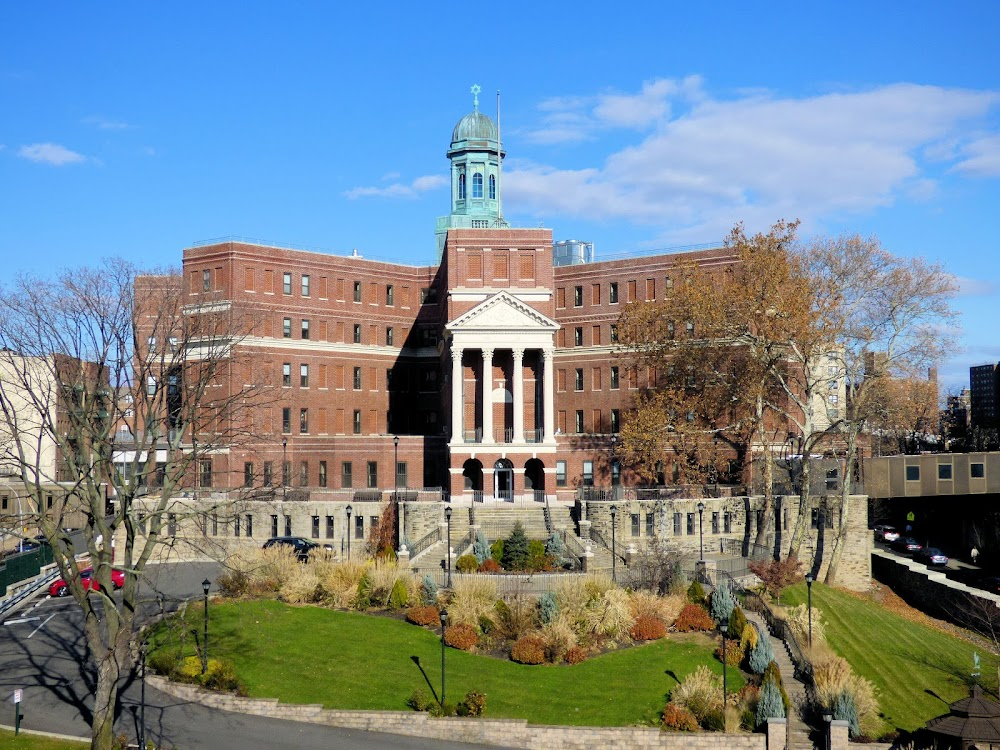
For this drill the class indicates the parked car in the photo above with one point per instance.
(59, 587)
(931, 556)
(886, 533)
(905, 544)
(301, 546)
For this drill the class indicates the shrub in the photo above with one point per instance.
(474, 704)
(515, 549)
(575, 655)
(734, 654)
(693, 617)
(489, 565)
(399, 597)
(517, 618)
(481, 547)
(679, 718)
(425, 615)
(467, 564)
(430, 589)
(221, 676)
(798, 622)
(442, 709)
(761, 655)
(537, 559)
(722, 604)
(474, 598)
(737, 622)
(338, 580)
(548, 608)
(700, 693)
(419, 700)
(555, 548)
(749, 638)
(559, 638)
(162, 662)
(665, 608)
(233, 583)
(529, 649)
(496, 550)
(648, 628)
(695, 593)
(715, 720)
(769, 704)
(486, 625)
(773, 673)
(845, 710)
(363, 600)
(777, 574)
(461, 636)
(833, 677)
(610, 615)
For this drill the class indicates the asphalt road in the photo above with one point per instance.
(43, 652)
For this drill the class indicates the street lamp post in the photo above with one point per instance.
(205, 586)
(349, 509)
(395, 467)
(143, 650)
(724, 627)
(614, 555)
(444, 626)
(701, 532)
(828, 720)
(284, 468)
(447, 551)
(810, 578)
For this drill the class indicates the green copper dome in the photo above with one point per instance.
(475, 126)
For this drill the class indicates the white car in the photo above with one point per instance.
(886, 533)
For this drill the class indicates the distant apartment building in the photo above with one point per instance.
(984, 385)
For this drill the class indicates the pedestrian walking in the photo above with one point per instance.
(974, 554)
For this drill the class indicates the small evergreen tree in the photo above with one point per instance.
(769, 704)
(845, 710)
(481, 547)
(515, 549)
(762, 653)
(737, 621)
(548, 607)
(555, 548)
(696, 593)
(430, 590)
(723, 603)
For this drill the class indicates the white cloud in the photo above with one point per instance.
(754, 157)
(50, 153)
(981, 157)
(104, 123)
(399, 190)
(976, 287)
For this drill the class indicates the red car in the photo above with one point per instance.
(59, 586)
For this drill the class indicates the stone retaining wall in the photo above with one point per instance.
(509, 732)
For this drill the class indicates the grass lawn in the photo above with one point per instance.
(903, 659)
(33, 742)
(355, 661)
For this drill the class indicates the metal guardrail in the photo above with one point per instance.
(596, 536)
(426, 541)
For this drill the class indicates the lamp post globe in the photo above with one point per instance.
(348, 533)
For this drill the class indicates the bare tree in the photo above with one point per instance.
(113, 389)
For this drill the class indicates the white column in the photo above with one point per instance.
(518, 395)
(548, 410)
(457, 384)
(488, 396)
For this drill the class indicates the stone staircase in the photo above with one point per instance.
(798, 731)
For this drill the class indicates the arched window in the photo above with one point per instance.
(461, 187)
(493, 187)
(477, 185)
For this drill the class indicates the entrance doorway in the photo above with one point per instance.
(503, 480)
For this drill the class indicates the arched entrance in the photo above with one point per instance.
(534, 479)
(503, 480)
(472, 471)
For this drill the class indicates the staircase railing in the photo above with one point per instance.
(426, 541)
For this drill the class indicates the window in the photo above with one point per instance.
(912, 473)
(944, 471)
(274, 526)
(286, 282)
(388, 336)
(689, 327)
(373, 474)
(151, 344)
(357, 291)
(329, 527)
(579, 420)
(400, 474)
(616, 473)
(461, 187)
(286, 374)
(690, 524)
(578, 381)
(727, 523)
(613, 293)
(315, 527)
(357, 378)
(288, 525)
(206, 472)
(248, 474)
(151, 385)
(286, 473)
(614, 333)
(976, 471)
(577, 296)
(172, 519)
(304, 421)
(268, 473)
(236, 526)
(305, 285)
(322, 473)
(650, 525)
(635, 524)
(248, 525)
(286, 419)
(359, 527)
(668, 283)
(588, 473)
(715, 522)
(616, 418)
(560, 474)
(206, 280)
(347, 474)
(303, 376)
(305, 328)
(477, 184)
(357, 333)
(389, 295)
(304, 474)
(357, 421)
(577, 337)
(286, 328)
(614, 378)
(677, 524)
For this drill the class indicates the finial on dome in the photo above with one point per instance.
(476, 88)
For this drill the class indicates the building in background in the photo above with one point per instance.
(984, 385)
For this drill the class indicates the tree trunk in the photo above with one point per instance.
(805, 510)
(105, 697)
(764, 535)
(845, 509)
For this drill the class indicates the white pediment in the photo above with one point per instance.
(502, 312)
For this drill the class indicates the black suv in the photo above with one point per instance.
(301, 546)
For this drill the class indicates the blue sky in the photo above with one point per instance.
(137, 129)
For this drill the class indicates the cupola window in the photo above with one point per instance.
(461, 187)
(493, 187)
(477, 185)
